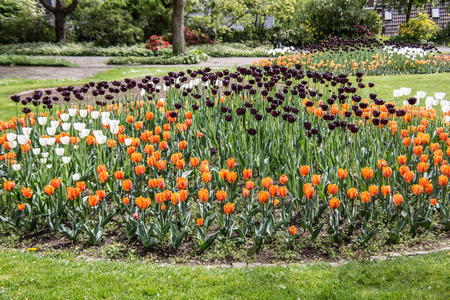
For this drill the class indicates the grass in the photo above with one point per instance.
(29, 275)
(384, 85)
(18, 60)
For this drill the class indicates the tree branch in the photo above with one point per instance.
(48, 6)
(71, 7)
(165, 4)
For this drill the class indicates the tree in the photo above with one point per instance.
(406, 6)
(178, 43)
(60, 11)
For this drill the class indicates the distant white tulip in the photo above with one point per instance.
(65, 126)
(26, 130)
(421, 94)
(36, 151)
(75, 147)
(447, 119)
(64, 117)
(65, 140)
(439, 96)
(115, 130)
(22, 139)
(83, 113)
(49, 166)
(76, 177)
(43, 141)
(397, 93)
(113, 124)
(59, 151)
(54, 124)
(101, 139)
(42, 120)
(94, 114)
(97, 133)
(16, 167)
(405, 91)
(45, 154)
(128, 142)
(11, 136)
(72, 112)
(446, 108)
(51, 131)
(66, 159)
(142, 92)
(84, 133)
(51, 141)
(43, 160)
(13, 144)
(106, 114)
(105, 121)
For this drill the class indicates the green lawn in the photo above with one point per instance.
(384, 85)
(28, 275)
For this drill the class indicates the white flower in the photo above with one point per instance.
(51, 131)
(439, 96)
(11, 136)
(128, 142)
(72, 112)
(43, 160)
(79, 126)
(405, 91)
(42, 120)
(94, 114)
(405, 103)
(397, 93)
(59, 151)
(43, 141)
(12, 144)
(65, 140)
(26, 130)
(84, 133)
(75, 147)
(49, 166)
(54, 124)
(45, 154)
(115, 130)
(22, 139)
(36, 151)
(66, 159)
(142, 92)
(421, 94)
(66, 126)
(51, 141)
(97, 133)
(447, 119)
(101, 139)
(83, 113)
(106, 114)
(113, 124)
(76, 177)
(445, 108)
(105, 121)
(16, 167)
(64, 117)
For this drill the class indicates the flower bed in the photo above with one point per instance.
(252, 155)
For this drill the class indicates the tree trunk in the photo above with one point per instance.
(60, 26)
(408, 12)
(178, 43)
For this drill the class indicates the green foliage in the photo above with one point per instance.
(15, 60)
(190, 57)
(443, 35)
(105, 24)
(372, 21)
(420, 29)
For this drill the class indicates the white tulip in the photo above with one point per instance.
(75, 147)
(51, 141)
(128, 142)
(54, 124)
(83, 113)
(101, 139)
(421, 94)
(26, 130)
(405, 91)
(84, 133)
(105, 121)
(76, 177)
(79, 126)
(43, 160)
(113, 124)
(43, 141)
(42, 120)
(106, 114)
(51, 131)
(11, 136)
(142, 92)
(115, 130)
(12, 144)
(447, 119)
(22, 139)
(59, 151)
(49, 166)
(66, 126)
(36, 151)
(16, 167)
(64, 117)
(94, 114)
(72, 112)
(45, 154)
(66, 159)
(439, 96)
(446, 108)
(97, 133)
(405, 103)
(65, 140)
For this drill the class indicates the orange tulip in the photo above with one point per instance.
(151, 161)
(72, 193)
(408, 176)
(334, 203)
(140, 170)
(443, 180)
(103, 176)
(48, 190)
(161, 164)
(221, 195)
(182, 145)
(387, 172)
(27, 192)
(332, 189)
(230, 163)
(199, 222)
(365, 197)
(183, 194)
(247, 174)
(266, 182)
(382, 164)
(228, 208)
(136, 157)
(119, 175)
(175, 198)
(125, 200)
(352, 193)
(206, 177)
(55, 183)
(245, 193)
(181, 164)
(422, 167)
(282, 191)
(81, 185)
(21, 206)
(163, 146)
(175, 157)
(417, 150)
(203, 195)
(182, 183)
(397, 199)
(93, 200)
(342, 174)
(429, 189)
(263, 197)
(417, 189)
(9, 185)
(292, 230)
(367, 173)
(249, 185)
(403, 170)
(304, 170)
(101, 168)
(316, 179)
(231, 177)
(386, 190)
(308, 191)
(101, 194)
(143, 203)
(401, 160)
(373, 189)
(273, 190)
(283, 179)
(433, 201)
(127, 185)
(194, 162)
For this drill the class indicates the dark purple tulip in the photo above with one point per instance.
(348, 114)
(240, 111)
(307, 125)
(251, 131)
(228, 118)
(195, 107)
(213, 150)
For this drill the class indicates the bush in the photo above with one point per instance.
(156, 42)
(372, 22)
(420, 29)
(195, 37)
(191, 57)
(443, 35)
